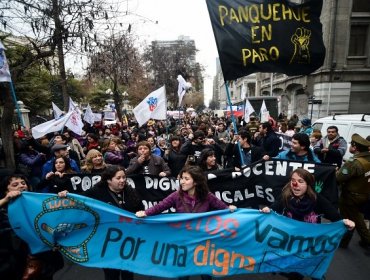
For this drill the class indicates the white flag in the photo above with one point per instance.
(98, 117)
(50, 126)
(89, 116)
(4, 66)
(264, 112)
(152, 107)
(74, 122)
(248, 109)
(56, 111)
(182, 88)
(73, 106)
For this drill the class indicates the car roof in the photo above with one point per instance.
(347, 118)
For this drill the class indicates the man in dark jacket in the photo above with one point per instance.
(332, 147)
(270, 143)
(249, 152)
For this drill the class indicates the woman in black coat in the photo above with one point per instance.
(114, 190)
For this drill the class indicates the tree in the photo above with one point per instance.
(214, 104)
(59, 25)
(118, 60)
(166, 60)
(21, 58)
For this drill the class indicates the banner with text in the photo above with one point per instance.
(219, 243)
(267, 36)
(258, 184)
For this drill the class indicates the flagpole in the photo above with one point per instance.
(16, 103)
(234, 122)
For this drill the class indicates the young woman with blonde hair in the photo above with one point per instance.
(94, 162)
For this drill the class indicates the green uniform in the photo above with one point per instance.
(354, 177)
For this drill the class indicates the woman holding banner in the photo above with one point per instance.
(192, 197)
(300, 202)
(16, 262)
(114, 190)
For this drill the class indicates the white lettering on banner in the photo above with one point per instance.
(130, 182)
(270, 169)
(86, 181)
(164, 184)
(233, 197)
(147, 204)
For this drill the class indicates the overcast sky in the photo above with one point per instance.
(175, 18)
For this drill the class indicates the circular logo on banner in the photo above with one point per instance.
(69, 238)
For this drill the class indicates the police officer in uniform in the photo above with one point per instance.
(354, 177)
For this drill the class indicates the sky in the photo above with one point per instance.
(176, 18)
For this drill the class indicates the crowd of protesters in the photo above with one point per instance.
(165, 148)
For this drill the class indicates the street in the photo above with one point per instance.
(348, 264)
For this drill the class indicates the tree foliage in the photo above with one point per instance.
(214, 104)
(61, 25)
(117, 60)
(166, 60)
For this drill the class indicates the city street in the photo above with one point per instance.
(348, 264)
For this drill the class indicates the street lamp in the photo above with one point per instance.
(312, 100)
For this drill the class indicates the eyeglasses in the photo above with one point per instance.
(353, 143)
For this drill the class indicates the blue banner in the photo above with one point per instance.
(219, 243)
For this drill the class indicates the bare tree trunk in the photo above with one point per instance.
(63, 76)
(6, 128)
(59, 44)
(117, 100)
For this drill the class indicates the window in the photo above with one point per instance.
(360, 6)
(357, 43)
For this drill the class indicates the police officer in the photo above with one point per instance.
(354, 177)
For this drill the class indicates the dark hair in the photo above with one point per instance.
(93, 136)
(267, 125)
(308, 178)
(303, 140)
(199, 134)
(67, 166)
(244, 134)
(200, 180)
(332, 127)
(291, 125)
(6, 181)
(109, 172)
(174, 137)
(64, 138)
(144, 143)
(203, 158)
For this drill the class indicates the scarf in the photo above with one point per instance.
(301, 209)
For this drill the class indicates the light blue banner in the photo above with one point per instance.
(219, 243)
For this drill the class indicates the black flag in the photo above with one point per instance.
(267, 36)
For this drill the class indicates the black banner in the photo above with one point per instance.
(267, 36)
(257, 184)
(286, 141)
